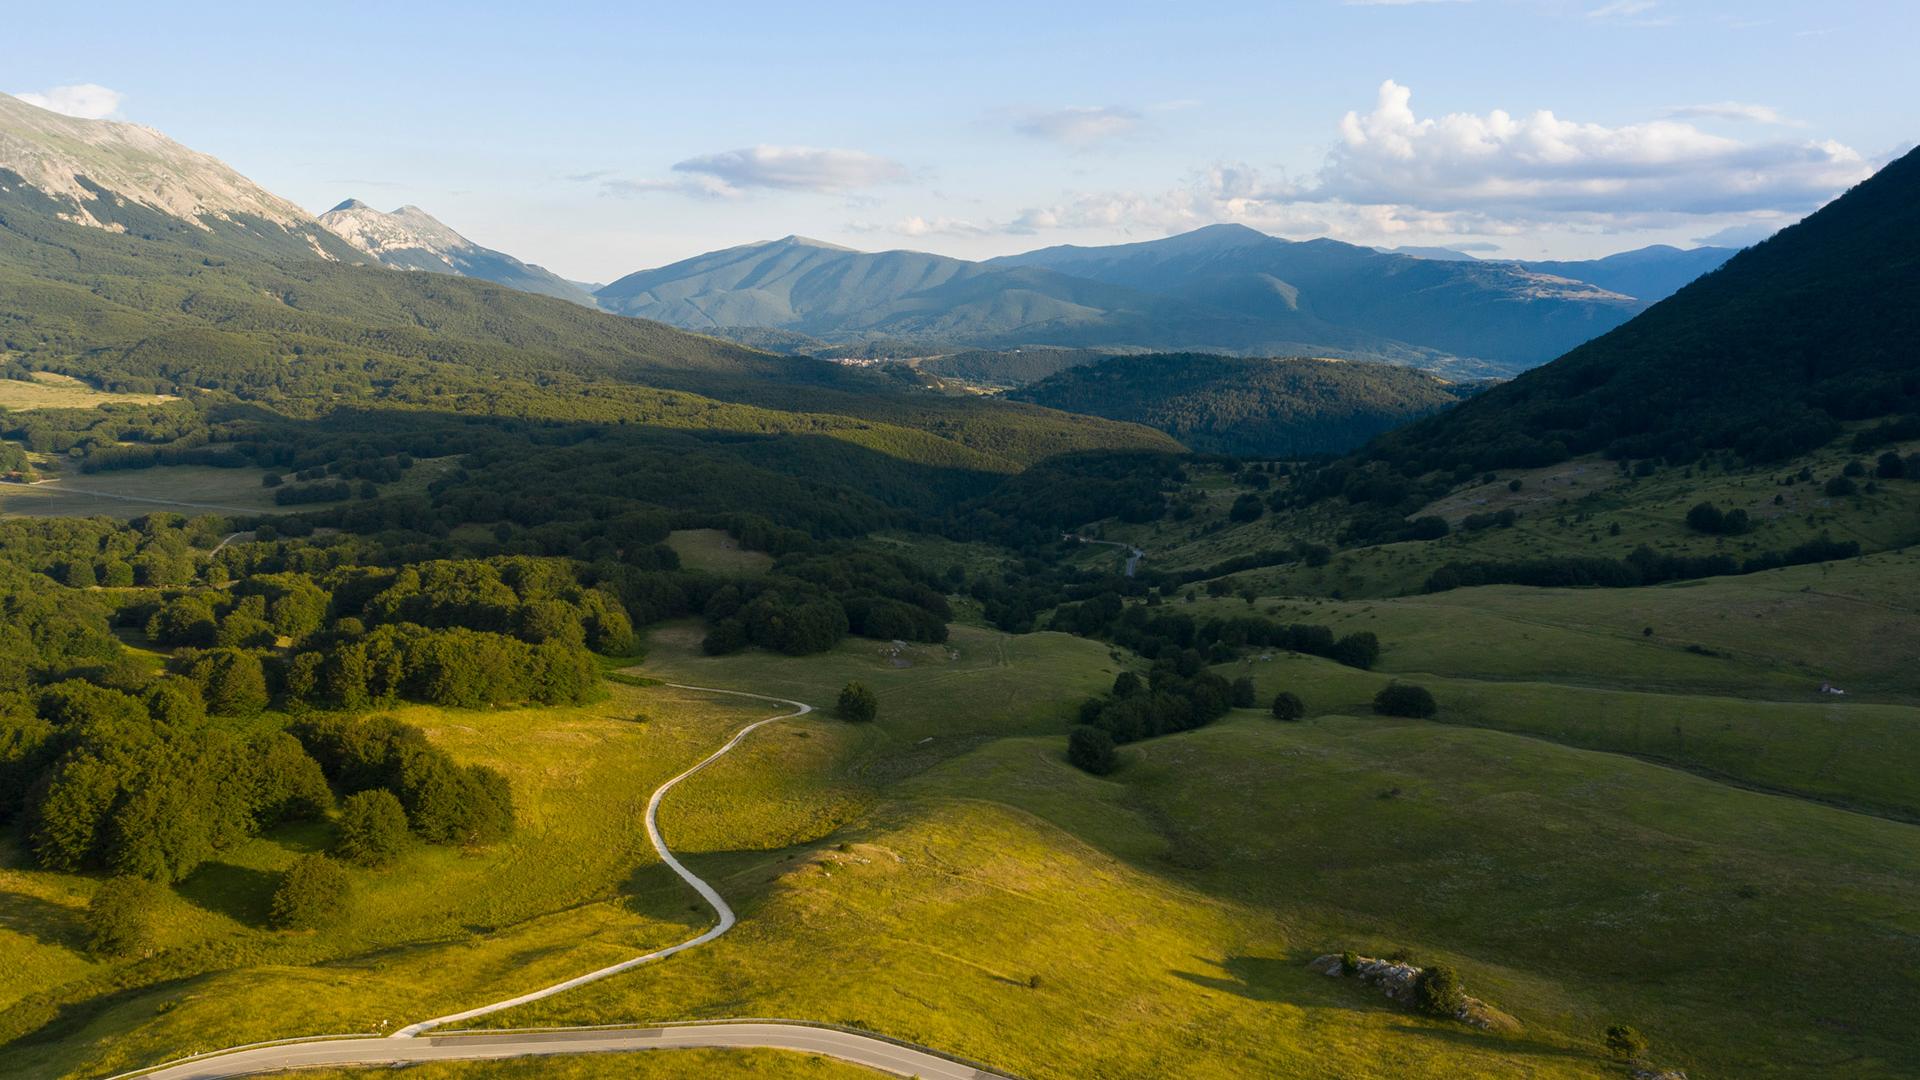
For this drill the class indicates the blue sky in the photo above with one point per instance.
(601, 139)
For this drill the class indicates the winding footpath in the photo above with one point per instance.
(413, 1044)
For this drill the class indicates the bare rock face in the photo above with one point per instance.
(75, 161)
(1640, 1073)
(1396, 980)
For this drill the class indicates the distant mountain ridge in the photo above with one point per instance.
(1224, 289)
(412, 239)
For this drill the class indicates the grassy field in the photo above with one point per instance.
(1585, 507)
(47, 390)
(576, 887)
(942, 875)
(185, 489)
(713, 549)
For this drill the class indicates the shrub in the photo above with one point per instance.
(311, 894)
(1288, 706)
(1357, 650)
(119, 919)
(1890, 466)
(1625, 1042)
(1405, 699)
(1349, 962)
(1090, 749)
(1841, 485)
(1242, 693)
(1437, 991)
(373, 828)
(857, 703)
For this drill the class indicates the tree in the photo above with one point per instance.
(1126, 684)
(1359, 650)
(1437, 991)
(1090, 749)
(312, 893)
(1288, 706)
(373, 828)
(1625, 1042)
(1890, 466)
(1705, 518)
(1242, 693)
(857, 703)
(119, 919)
(1405, 699)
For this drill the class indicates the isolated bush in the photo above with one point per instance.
(312, 893)
(1625, 1042)
(1890, 466)
(119, 919)
(1288, 706)
(1840, 485)
(1438, 992)
(373, 828)
(857, 703)
(1242, 693)
(1090, 749)
(1359, 650)
(1405, 699)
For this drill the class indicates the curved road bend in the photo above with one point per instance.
(408, 1046)
(725, 915)
(372, 1050)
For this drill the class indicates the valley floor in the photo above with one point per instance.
(1584, 834)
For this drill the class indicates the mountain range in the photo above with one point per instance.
(1224, 288)
(412, 239)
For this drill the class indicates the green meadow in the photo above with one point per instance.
(942, 875)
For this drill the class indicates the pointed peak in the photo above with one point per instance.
(350, 204)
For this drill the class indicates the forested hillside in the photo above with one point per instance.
(1765, 357)
(1285, 408)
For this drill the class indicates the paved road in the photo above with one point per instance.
(1134, 554)
(707, 892)
(849, 1046)
(410, 1044)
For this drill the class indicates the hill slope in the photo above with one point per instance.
(1763, 357)
(412, 239)
(119, 177)
(1224, 288)
(1255, 408)
(1502, 313)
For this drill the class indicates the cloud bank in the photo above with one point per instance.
(88, 101)
(1080, 125)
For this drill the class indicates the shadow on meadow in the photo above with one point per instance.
(42, 920)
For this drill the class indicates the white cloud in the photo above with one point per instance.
(1623, 9)
(915, 225)
(88, 101)
(1541, 164)
(1745, 235)
(1734, 110)
(792, 168)
(1080, 125)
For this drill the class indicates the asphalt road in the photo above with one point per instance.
(847, 1046)
(412, 1044)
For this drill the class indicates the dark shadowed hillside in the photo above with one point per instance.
(1765, 356)
(1255, 408)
